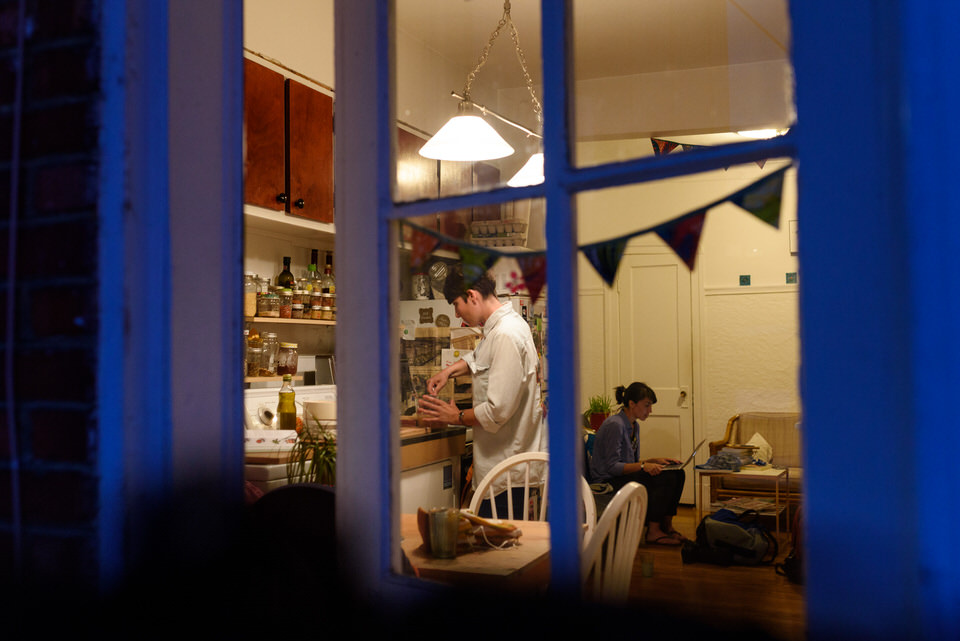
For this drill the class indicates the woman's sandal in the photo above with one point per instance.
(665, 539)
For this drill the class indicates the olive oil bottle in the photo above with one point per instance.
(287, 408)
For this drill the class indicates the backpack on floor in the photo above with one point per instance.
(792, 565)
(725, 538)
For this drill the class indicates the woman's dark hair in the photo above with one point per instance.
(455, 285)
(636, 392)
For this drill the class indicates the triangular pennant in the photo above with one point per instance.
(683, 235)
(662, 147)
(476, 262)
(421, 245)
(605, 257)
(534, 270)
(762, 198)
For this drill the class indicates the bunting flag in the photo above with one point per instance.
(683, 235)
(662, 147)
(605, 257)
(762, 198)
(421, 245)
(534, 270)
(476, 262)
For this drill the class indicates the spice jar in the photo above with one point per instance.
(296, 310)
(328, 300)
(316, 298)
(254, 358)
(286, 300)
(326, 312)
(287, 359)
(268, 306)
(297, 297)
(316, 312)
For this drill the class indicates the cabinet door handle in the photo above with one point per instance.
(300, 204)
(281, 197)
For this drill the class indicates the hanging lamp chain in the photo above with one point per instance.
(505, 19)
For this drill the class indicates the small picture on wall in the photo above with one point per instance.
(792, 233)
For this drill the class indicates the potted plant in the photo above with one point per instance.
(599, 409)
(313, 458)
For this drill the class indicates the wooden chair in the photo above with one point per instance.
(607, 560)
(524, 461)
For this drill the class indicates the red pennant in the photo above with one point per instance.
(534, 270)
(662, 147)
(421, 245)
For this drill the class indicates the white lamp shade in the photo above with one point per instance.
(466, 138)
(530, 174)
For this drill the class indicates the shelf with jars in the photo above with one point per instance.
(293, 321)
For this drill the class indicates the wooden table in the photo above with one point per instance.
(781, 475)
(522, 567)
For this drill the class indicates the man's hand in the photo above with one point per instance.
(436, 382)
(437, 409)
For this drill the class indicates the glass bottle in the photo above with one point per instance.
(327, 281)
(249, 294)
(287, 407)
(287, 359)
(285, 279)
(311, 275)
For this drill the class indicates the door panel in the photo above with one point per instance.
(656, 348)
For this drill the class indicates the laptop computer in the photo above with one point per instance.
(680, 466)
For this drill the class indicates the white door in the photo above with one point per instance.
(656, 348)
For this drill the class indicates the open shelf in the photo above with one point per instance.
(287, 321)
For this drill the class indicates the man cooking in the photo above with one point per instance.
(506, 415)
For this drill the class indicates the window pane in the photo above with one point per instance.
(687, 71)
(505, 240)
(439, 46)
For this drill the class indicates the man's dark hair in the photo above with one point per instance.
(455, 285)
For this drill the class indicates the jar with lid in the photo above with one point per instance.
(316, 298)
(268, 306)
(316, 312)
(268, 363)
(249, 294)
(296, 310)
(254, 358)
(297, 297)
(287, 359)
(286, 300)
(328, 300)
(326, 312)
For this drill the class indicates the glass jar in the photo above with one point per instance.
(249, 294)
(254, 358)
(316, 298)
(328, 300)
(296, 310)
(326, 312)
(268, 363)
(316, 312)
(269, 306)
(297, 297)
(287, 359)
(286, 300)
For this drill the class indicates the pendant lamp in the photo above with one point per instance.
(467, 136)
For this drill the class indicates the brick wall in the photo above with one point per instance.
(54, 292)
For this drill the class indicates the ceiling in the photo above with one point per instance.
(611, 37)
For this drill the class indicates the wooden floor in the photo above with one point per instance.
(736, 597)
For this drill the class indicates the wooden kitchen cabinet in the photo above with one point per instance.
(288, 141)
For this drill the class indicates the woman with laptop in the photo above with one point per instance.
(616, 460)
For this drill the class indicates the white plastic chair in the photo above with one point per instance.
(589, 510)
(523, 460)
(607, 561)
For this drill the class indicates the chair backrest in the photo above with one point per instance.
(589, 509)
(607, 561)
(523, 462)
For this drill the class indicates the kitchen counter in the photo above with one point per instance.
(424, 445)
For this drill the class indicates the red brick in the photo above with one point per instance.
(60, 435)
(59, 129)
(66, 310)
(61, 72)
(34, 368)
(55, 249)
(64, 188)
(55, 19)
(66, 498)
